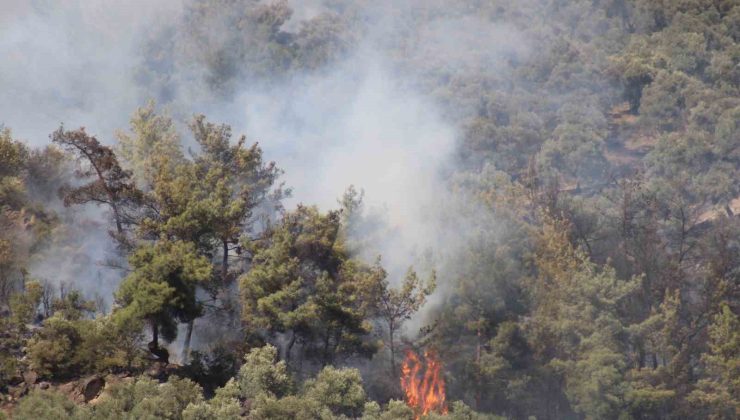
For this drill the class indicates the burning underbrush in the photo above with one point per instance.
(423, 384)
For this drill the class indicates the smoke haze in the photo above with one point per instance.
(363, 119)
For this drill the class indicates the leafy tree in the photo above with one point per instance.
(398, 305)
(286, 408)
(62, 346)
(321, 40)
(161, 288)
(235, 182)
(334, 393)
(263, 374)
(460, 411)
(303, 283)
(576, 324)
(222, 406)
(15, 330)
(338, 390)
(620, 301)
(213, 368)
(24, 224)
(486, 290)
(636, 69)
(47, 405)
(24, 306)
(13, 156)
(255, 43)
(211, 201)
(47, 170)
(577, 146)
(110, 185)
(260, 377)
(665, 100)
(266, 385)
(395, 410)
(256, 48)
(69, 343)
(144, 398)
(718, 392)
(508, 370)
(652, 390)
(153, 141)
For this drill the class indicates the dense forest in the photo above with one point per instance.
(440, 209)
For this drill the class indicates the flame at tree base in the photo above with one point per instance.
(424, 391)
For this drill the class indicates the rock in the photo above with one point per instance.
(18, 390)
(90, 387)
(163, 355)
(157, 371)
(43, 385)
(77, 397)
(112, 379)
(16, 379)
(71, 390)
(30, 377)
(171, 369)
(67, 388)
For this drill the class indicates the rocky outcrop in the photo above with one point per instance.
(90, 387)
(83, 390)
(18, 391)
(30, 377)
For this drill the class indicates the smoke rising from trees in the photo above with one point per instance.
(560, 175)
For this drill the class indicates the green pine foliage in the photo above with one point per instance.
(594, 199)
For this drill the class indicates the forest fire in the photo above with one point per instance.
(424, 388)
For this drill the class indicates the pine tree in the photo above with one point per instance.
(161, 289)
(718, 392)
(302, 283)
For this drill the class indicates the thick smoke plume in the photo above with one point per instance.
(364, 118)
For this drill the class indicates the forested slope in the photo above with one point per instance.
(586, 257)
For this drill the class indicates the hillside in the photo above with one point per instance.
(416, 209)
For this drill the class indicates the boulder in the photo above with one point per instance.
(18, 391)
(30, 377)
(72, 391)
(67, 388)
(16, 378)
(91, 386)
(171, 369)
(157, 371)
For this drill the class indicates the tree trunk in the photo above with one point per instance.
(325, 356)
(225, 263)
(290, 347)
(391, 329)
(162, 354)
(117, 218)
(186, 344)
(155, 334)
(477, 362)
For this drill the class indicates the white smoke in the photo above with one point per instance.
(356, 126)
(364, 121)
(73, 62)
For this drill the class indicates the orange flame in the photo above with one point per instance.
(426, 393)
